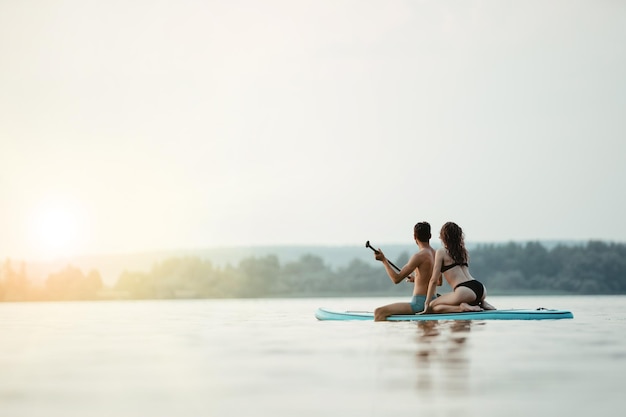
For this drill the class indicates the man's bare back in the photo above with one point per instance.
(425, 260)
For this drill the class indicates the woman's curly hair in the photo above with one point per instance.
(452, 238)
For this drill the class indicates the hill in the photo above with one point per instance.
(110, 266)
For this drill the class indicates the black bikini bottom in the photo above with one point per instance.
(477, 287)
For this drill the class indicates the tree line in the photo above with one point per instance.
(513, 268)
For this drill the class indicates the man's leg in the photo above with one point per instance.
(381, 313)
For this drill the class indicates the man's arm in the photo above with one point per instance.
(395, 276)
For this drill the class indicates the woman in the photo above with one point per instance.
(452, 261)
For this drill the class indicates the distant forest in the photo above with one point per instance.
(595, 267)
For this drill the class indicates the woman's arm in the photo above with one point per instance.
(434, 278)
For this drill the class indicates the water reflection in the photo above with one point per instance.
(442, 361)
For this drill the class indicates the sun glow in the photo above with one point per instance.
(57, 229)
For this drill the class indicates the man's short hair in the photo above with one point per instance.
(422, 231)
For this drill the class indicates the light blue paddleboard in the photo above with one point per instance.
(538, 314)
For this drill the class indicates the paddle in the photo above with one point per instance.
(367, 245)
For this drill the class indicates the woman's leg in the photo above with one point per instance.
(484, 304)
(455, 302)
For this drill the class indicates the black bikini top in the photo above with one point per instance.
(444, 268)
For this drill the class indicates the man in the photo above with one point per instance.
(420, 264)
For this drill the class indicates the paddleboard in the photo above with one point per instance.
(521, 314)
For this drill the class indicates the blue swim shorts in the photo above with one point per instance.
(417, 303)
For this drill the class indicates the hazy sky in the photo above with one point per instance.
(140, 125)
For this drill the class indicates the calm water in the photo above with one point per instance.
(272, 358)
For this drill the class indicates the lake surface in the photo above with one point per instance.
(271, 357)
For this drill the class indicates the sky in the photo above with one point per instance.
(154, 125)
